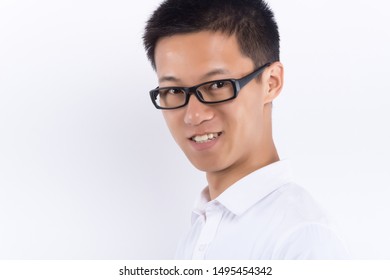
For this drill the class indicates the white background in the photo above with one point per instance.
(88, 169)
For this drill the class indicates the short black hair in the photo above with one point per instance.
(252, 21)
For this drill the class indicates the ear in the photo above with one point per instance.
(273, 80)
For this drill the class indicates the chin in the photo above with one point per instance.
(207, 166)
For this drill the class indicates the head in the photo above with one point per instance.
(192, 42)
(251, 21)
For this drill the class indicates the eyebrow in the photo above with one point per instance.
(218, 71)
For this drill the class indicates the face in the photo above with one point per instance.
(216, 137)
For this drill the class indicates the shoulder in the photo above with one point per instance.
(295, 205)
(311, 241)
(304, 232)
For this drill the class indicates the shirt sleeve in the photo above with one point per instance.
(311, 242)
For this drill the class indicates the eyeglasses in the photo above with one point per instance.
(212, 92)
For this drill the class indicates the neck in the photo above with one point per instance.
(221, 180)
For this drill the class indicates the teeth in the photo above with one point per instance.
(205, 137)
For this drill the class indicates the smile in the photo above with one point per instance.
(205, 137)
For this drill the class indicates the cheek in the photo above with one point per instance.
(169, 120)
(247, 119)
(254, 108)
(173, 121)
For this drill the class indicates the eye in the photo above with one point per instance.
(171, 91)
(217, 85)
(174, 91)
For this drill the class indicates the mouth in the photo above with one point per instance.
(207, 137)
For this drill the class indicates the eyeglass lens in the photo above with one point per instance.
(215, 91)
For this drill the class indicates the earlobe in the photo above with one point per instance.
(274, 80)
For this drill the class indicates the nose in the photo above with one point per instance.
(197, 112)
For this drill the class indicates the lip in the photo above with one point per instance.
(205, 145)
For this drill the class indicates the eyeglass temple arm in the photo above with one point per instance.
(244, 80)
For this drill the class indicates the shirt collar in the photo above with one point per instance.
(243, 194)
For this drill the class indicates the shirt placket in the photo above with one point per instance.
(211, 219)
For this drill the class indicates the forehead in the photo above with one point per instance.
(189, 56)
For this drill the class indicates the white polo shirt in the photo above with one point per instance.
(262, 216)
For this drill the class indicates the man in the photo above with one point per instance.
(218, 68)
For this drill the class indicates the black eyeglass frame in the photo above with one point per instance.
(238, 84)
